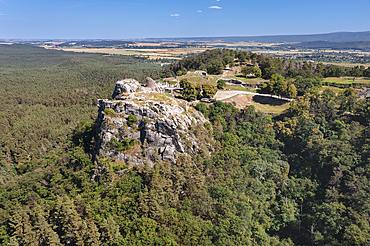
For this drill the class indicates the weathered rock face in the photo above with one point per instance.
(150, 83)
(161, 130)
(125, 86)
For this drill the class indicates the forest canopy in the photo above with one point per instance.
(300, 178)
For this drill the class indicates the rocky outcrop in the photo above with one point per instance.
(158, 129)
(125, 87)
(150, 83)
(364, 93)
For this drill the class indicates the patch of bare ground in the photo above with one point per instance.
(265, 105)
(240, 101)
(230, 71)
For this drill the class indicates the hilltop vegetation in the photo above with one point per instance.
(214, 61)
(295, 78)
(300, 178)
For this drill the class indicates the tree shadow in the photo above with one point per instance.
(269, 100)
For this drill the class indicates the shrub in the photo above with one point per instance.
(209, 90)
(131, 119)
(109, 111)
(203, 108)
(120, 146)
(221, 84)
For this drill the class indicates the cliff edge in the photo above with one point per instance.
(143, 125)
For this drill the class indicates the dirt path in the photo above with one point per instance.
(226, 70)
(222, 95)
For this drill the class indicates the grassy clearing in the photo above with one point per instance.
(238, 88)
(158, 97)
(347, 80)
(214, 77)
(196, 79)
(271, 109)
(262, 104)
(244, 79)
(335, 89)
(347, 64)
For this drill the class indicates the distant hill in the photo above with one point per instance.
(358, 45)
(329, 37)
(96, 43)
(333, 37)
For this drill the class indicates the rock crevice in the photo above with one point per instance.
(155, 125)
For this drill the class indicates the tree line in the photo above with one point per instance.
(214, 61)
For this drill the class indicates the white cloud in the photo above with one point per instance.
(175, 15)
(3, 14)
(215, 7)
(217, 0)
(199, 11)
(3, 2)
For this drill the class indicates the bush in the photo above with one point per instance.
(109, 111)
(131, 119)
(189, 91)
(221, 84)
(203, 108)
(209, 90)
(125, 144)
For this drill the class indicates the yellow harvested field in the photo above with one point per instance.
(165, 49)
(283, 52)
(171, 53)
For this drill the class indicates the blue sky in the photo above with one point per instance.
(125, 19)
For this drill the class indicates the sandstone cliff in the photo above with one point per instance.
(141, 125)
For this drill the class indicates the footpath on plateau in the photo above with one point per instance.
(222, 95)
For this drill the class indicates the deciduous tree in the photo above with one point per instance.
(189, 91)
(209, 90)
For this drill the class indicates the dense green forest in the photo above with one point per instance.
(45, 93)
(301, 178)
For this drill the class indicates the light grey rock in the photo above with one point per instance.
(162, 129)
(364, 93)
(168, 154)
(125, 86)
(107, 137)
(150, 83)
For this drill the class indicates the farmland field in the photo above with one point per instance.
(173, 53)
(178, 49)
